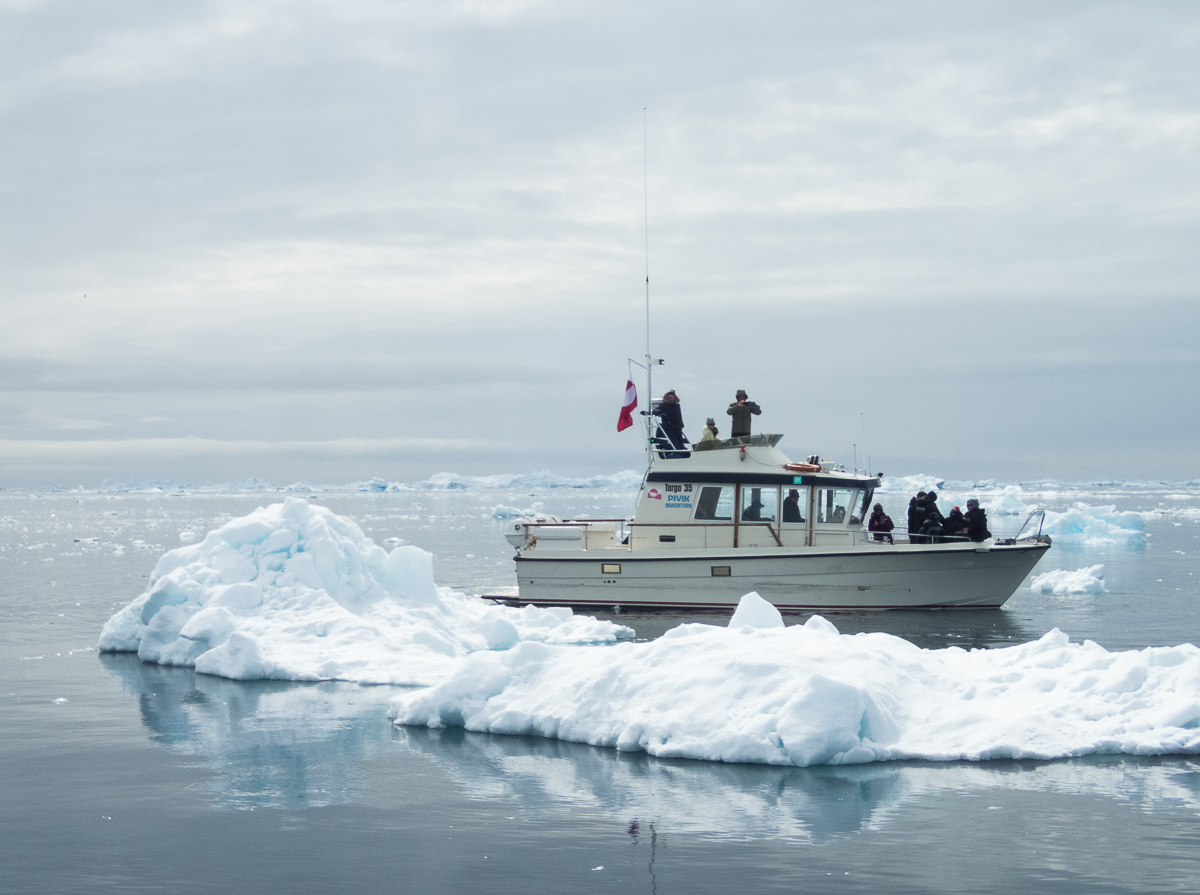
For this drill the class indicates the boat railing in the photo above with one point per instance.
(739, 441)
(620, 535)
(1040, 515)
(900, 537)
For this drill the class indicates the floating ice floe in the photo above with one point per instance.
(295, 592)
(503, 511)
(545, 479)
(1063, 581)
(911, 484)
(1088, 526)
(1008, 501)
(807, 695)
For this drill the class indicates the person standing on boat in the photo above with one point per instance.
(671, 422)
(931, 508)
(916, 517)
(740, 410)
(881, 523)
(977, 529)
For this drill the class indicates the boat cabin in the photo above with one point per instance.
(742, 493)
(745, 493)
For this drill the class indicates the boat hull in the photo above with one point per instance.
(885, 577)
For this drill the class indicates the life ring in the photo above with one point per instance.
(801, 467)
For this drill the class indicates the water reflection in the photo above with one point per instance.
(813, 805)
(294, 746)
(268, 743)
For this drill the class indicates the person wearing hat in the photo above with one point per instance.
(709, 440)
(955, 523)
(791, 507)
(740, 410)
(977, 529)
(753, 512)
(881, 523)
(931, 508)
(916, 517)
(671, 422)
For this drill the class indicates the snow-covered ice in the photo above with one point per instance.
(806, 695)
(295, 592)
(1104, 527)
(1064, 581)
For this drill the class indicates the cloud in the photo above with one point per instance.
(299, 222)
(24, 452)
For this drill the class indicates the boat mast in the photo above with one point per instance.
(646, 234)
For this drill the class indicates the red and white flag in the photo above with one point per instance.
(625, 420)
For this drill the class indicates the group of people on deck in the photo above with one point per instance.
(927, 525)
(670, 420)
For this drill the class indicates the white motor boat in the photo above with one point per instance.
(712, 525)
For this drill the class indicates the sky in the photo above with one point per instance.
(330, 241)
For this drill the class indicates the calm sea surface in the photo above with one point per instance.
(119, 776)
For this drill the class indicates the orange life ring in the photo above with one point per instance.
(801, 467)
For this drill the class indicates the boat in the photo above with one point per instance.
(714, 524)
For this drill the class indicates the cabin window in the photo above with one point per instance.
(863, 507)
(715, 504)
(759, 504)
(795, 505)
(833, 504)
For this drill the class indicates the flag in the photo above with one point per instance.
(625, 420)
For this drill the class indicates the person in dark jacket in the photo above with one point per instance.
(671, 422)
(977, 529)
(932, 531)
(740, 410)
(955, 523)
(931, 508)
(791, 507)
(881, 523)
(916, 517)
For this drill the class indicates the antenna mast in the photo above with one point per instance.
(646, 234)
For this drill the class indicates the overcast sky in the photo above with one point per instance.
(327, 241)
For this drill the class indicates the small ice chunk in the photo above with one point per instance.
(1089, 580)
(755, 612)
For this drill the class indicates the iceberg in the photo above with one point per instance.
(808, 695)
(295, 592)
(1096, 527)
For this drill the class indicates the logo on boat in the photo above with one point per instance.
(679, 501)
(654, 494)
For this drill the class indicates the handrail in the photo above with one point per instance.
(1036, 511)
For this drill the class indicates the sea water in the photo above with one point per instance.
(120, 775)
